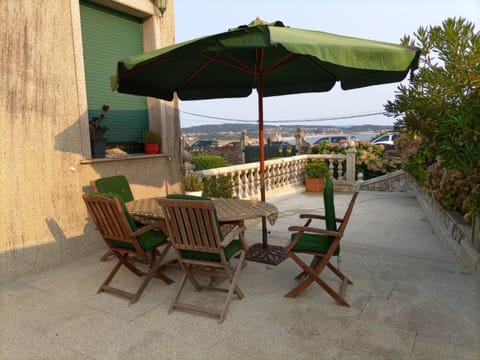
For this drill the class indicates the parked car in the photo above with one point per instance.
(286, 143)
(232, 144)
(335, 139)
(387, 140)
(205, 143)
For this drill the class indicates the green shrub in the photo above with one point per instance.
(369, 158)
(317, 169)
(221, 186)
(204, 162)
(473, 202)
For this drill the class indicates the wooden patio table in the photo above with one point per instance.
(148, 211)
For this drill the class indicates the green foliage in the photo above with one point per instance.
(369, 158)
(150, 137)
(317, 169)
(204, 162)
(440, 111)
(220, 186)
(97, 130)
(473, 201)
(192, 182)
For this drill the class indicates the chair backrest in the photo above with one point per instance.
(347, 214)
(192, 224)
(328, 198)
(329, 204)
(117, 184)
(112, 220)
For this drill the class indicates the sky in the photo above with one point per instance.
(382, 20)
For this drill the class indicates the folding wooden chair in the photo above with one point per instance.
(130, 245)
(322, 243)
(203, 250)
(117, 184)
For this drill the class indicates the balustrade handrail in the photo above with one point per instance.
(283, 174)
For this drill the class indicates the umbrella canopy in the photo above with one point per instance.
(269, 57)
(288, 61)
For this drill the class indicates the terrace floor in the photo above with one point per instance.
(412, 298)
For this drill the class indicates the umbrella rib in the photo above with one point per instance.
(238, 65)
(280, 62)
(194, 73)
(146, 65)
(320, 67)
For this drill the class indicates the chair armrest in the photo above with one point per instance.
(303, 229)
(319, 217)
(156, 226)
(232, 235)
(312, 216)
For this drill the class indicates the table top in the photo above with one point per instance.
(148, 211)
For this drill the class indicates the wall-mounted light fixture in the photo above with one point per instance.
(162, 6)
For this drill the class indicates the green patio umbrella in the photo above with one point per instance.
(269, 57)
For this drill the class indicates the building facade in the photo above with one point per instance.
(48, 95)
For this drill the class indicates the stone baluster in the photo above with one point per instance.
(350, 171)
(331, 167)
(339, 162)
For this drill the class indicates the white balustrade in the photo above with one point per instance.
(283, 174)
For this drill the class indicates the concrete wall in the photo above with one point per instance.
(44, 147)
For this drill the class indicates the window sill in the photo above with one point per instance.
(126, 157)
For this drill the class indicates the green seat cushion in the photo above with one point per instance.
(229, 250)
(314, 243)
(115, 185)
(149, 240)
(187, 197)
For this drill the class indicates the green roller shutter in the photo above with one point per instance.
(108, 36)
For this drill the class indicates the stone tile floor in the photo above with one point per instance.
(412, 299)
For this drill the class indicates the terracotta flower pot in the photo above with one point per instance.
(151, 148)
(314, 184)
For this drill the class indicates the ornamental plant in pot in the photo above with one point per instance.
(192, 185)
(316, 171)
(218, 186)
(151, 142)
(97, 131)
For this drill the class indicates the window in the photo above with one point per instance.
(109, 35)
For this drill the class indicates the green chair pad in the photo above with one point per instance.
(115, 185)
(328, 199)
(314, 243)
(149, 240)
(230, 250)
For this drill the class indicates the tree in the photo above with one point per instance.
(440, 107)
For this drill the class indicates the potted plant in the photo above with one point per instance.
(219, 186)
(192, 185)
(151, 142)
(97, 132)
(316, 171)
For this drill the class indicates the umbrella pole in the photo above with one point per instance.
(263, 253)
(261, 142)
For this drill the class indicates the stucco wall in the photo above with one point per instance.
(43, 147)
